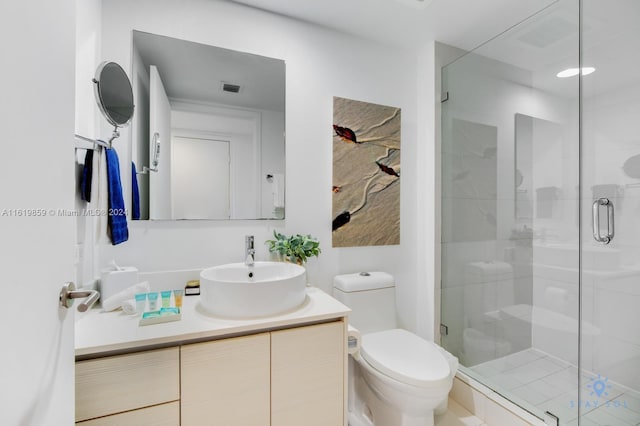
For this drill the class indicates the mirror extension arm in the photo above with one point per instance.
(155, 146)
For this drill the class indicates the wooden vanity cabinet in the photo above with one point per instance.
(125, 383)
(308, 375)
(158, 415)
(295, 376)
(226, 382)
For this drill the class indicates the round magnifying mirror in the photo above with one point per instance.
(114, 94)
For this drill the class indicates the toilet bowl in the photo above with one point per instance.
(396, 378)
(453, 368)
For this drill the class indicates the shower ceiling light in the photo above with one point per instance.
(572, 72)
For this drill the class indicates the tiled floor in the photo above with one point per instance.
(539, 382)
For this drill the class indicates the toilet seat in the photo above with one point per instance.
(405, 357)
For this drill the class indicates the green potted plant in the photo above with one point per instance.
(296, 248)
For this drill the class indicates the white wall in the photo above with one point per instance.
(88, 56)
(36, 179)
(320, 64)
(87, 119)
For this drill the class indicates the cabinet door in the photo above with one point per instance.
(226, 382)
(158, 415)
(307, 382)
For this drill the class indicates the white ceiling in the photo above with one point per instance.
(543, 45)
(460, 23)
(609, 35)
(548, 44)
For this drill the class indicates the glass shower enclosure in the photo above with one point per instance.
(540, 207)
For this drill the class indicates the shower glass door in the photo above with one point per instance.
(610, 163)
(510, 299)
(540, 240)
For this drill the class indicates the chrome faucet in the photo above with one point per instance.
(249, 250)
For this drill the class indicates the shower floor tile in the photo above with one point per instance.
(505, 381)
(633, 401)
(510, 362)
(547, 389)
(535, 370)
(486, 370)
(547, 383)
(561, 407)
(530, 366)
(612, 416)
(625, 408)
(530, 394)
(583, 422)
(564, 380)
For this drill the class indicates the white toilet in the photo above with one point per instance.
(397, 378)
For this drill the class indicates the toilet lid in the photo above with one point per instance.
(404, 356)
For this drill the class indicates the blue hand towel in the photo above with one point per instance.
(118, 230)
(87, 175)
(135, 193)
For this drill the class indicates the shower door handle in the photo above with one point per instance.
(605, 239)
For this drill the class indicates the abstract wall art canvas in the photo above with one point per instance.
(366, 174)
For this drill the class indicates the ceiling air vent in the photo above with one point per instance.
(548, 32)
(230, 87)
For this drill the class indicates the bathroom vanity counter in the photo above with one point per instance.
(100, 333)
(279, 370)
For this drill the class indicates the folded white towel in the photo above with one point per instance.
(114, 302)
(129, 307)
(278, 190)
(100, 196)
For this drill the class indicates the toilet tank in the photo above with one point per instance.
(371, 297)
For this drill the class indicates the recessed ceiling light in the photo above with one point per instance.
(571, 72)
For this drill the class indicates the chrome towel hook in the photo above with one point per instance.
(69, 292)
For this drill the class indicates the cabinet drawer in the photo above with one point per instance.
(158, 415)
(114, 384)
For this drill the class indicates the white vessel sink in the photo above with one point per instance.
(236, 290)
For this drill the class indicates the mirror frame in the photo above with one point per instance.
(97, 90)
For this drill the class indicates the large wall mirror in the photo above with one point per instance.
(208, 136)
